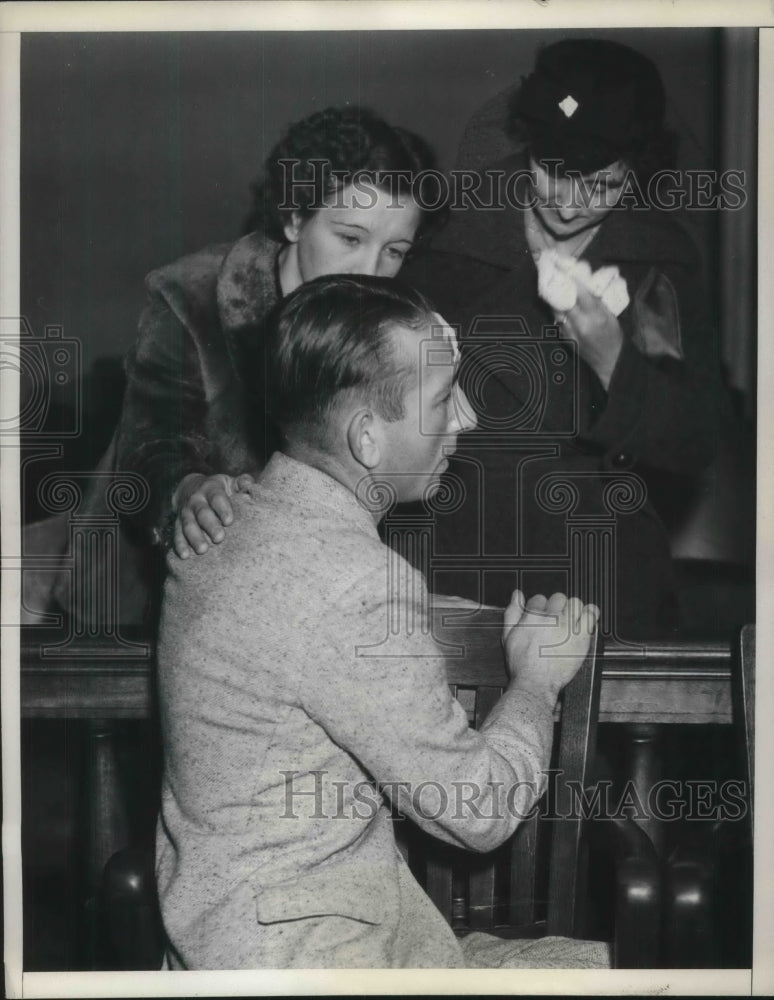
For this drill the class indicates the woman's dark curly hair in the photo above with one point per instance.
(324, 153)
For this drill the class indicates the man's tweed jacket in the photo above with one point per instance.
(294, 659)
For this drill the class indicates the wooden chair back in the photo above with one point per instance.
(503, 888)
(699, 896)
(743, 695)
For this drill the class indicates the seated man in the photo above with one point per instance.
(300, 696)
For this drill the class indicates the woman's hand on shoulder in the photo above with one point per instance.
(204, 510)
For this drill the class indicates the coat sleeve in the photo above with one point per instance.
(661, 411)
(665, 399)
(184, 409)
(162, 429)
(388, 704)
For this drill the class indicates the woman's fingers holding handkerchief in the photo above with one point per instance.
(597, 333)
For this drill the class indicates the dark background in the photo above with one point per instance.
(137, 148)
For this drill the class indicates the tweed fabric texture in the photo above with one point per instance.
(301, 696)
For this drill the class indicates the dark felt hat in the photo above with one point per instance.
(590, 102)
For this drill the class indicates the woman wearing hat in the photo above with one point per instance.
(588, 352)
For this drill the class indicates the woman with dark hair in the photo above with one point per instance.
(336, 197)
(587, 349)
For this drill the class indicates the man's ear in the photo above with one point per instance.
(292, 226)
(363, 438)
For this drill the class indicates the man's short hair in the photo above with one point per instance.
(334, 336)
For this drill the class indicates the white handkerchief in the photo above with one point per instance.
(559, 277)
(555, 285)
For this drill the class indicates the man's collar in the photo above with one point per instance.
(310, 487)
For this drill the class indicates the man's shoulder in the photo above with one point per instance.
(318, 587)
(275, 536)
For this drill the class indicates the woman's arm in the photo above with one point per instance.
(664, 407)
(162, 430)
(202, 506)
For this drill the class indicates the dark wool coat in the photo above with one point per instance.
(554, 452)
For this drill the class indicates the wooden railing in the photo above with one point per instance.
(654, 682)
(105, 679)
